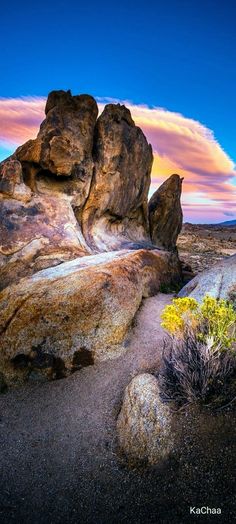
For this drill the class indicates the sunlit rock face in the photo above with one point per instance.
(77, 313)
(79, 189)
(165, 213)
(60, 158)
(38, 234)
(115, 213)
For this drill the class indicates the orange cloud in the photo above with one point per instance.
(181, 145)
(184, 146)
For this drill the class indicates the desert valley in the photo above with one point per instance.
(201, 246)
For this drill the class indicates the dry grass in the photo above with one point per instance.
(196, 371)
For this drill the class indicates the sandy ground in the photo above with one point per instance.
(203, 246)
(59, 461)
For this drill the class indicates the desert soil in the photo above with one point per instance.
(59, 457)
(202, 246)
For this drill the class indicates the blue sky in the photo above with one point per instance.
(174, 54)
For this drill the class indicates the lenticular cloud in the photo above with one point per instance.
(180, 145)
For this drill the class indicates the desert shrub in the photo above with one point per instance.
(196, 371)
(215, 319)
(199, 357)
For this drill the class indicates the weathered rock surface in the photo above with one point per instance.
(12, 183)
(36, 233)
(219, 282)
(144, 422)
(43, 188)
(165, 213)
(60, 158)
(115, 214)
(77, 313)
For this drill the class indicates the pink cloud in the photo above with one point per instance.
(180, 145)
(20, 119)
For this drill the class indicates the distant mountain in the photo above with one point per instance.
(227, 223)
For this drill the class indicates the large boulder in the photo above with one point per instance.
(78, 312)
(218, 282)
(115, 214)
(144, 422)
(63, 147)
(165, 213)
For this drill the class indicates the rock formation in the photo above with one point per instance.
(219, 282)
(36, 234)
(60, 158)
(43, 187)
(165, 213)
(79, 189)
(115, 213)
(144, 423)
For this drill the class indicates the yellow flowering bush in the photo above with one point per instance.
(220, 318)
(199, 359)
(175, 315)
(212, 319)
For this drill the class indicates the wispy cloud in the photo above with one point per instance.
(181, 145)
(19, 119)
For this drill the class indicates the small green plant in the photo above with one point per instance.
(174, 287)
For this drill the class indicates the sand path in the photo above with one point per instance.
(58, 453)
